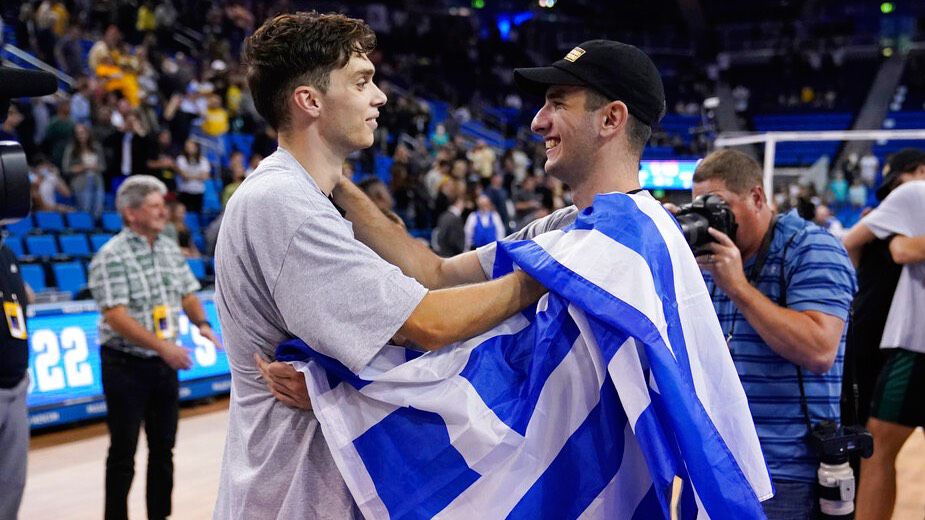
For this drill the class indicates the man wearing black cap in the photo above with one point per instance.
(897, 407)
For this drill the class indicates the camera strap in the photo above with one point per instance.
(752, 277)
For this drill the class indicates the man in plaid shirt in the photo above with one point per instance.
(140, 280)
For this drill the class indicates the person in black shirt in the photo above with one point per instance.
(878, 276)
(14, 384)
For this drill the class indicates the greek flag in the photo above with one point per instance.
(587, 406)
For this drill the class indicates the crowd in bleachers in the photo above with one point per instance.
(151, 94)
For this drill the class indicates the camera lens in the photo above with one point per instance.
(694, 228)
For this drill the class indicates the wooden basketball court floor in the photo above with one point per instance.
(66, 471)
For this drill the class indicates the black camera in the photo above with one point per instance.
(705, 212)
(833, 443)
(15, 196)
(836, 486)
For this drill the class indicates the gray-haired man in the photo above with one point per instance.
(140, 281)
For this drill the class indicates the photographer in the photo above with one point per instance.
(782, 289)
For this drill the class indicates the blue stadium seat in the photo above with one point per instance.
(79, 221)
(49, 221)
(15, 245)
(192, 222)
(20, 227)
(211, 198)
(112, 221)
(42, 245)
(198, 267)
(75, 245)
(34, 275)
(69, 276)
(199, 240)
(97, 240)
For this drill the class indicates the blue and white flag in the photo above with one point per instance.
(587, 406)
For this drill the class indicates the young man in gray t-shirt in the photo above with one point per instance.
(288, 265)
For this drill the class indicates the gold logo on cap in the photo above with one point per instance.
(574, 54)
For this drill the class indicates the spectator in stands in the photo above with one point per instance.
(140, 281)
(193, 171)
(59, 133)
(81, 108)
(68, 52)
(83, 165)
(449, 236)
(131, 148)
(14, 384)
(14, 118)
(378, 192)
(51, 22)
(782, 292)
(527, 202)
(108, 46)
(253, 163)
(482, 158)
(869, 165)
(838, 189)
(47, 186)
(438, 174)
(163, 164)
(500, 200)
(484, 225)
(828, 222)
(215, 119)
(857, 193)
(177, 229)
(439, 137)
(165, 16)
(236, 172)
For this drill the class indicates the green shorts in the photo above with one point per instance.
(900, 393)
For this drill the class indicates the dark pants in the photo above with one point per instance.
(139, 390)
(792, 501)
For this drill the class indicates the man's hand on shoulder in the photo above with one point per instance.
(285, 383)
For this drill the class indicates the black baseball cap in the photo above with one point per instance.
(616, 70)
(903, 161)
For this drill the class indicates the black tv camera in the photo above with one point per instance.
(705, 212)
(15, 196)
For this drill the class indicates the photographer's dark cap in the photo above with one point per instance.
(903, 161)
(616, 70)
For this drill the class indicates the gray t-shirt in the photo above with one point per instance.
(556, 220)
(287, 265)
(903, 213)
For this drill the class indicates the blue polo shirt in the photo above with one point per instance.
(818, 276)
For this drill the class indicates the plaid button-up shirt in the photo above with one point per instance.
(127, 271)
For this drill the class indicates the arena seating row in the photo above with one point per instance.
(71, 276)
(803, 153)
(905, 120)
(54, 249)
